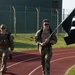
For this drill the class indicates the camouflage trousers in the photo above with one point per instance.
(46, 54)
(4, 58)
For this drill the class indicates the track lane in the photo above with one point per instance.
(57, 67)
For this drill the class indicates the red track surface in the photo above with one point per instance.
(28, 63)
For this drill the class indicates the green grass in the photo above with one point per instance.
(24, 42)
(61, 43)
(72, 71)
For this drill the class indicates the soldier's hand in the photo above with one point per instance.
(46, 42)
(41, 44)
(10, 56)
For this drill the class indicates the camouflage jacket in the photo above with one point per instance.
(39, 39)
(6, 41)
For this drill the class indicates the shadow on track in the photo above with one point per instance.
(20, 56)
(9, 73)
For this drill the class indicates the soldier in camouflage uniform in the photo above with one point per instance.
(45, 45)
(6, 43)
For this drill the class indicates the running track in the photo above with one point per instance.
(28, 63)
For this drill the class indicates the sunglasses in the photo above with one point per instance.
(2, 28)
(46, 24)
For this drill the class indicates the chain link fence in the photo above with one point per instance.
(24, 19)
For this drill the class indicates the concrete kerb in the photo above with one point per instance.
(66, 73)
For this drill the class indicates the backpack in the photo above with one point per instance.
(7, 36)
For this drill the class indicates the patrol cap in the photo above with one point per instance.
(2, 26)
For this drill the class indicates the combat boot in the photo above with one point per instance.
(3, 68)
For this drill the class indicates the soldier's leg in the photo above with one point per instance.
(4, 60)
(1, 59)
(43, 64)
(42, 54)
(0, 55)
(47, 62)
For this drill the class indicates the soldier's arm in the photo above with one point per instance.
(11, 43)
(11, 47)
(53, 39)
(37, 37)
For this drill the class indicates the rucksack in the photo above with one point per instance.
(7, 36)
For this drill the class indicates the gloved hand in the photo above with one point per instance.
(10, 55)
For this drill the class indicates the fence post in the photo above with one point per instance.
(57, 12)
(10, 17)
(37, 18)
(25, 17)
(14, 20)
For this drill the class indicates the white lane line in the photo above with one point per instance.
(51, 62)
(64, 50)
(53, 54)
(66, 73)
(64, 53)
(22, 62)
(53, 51)
(33, 59)
(21, 55)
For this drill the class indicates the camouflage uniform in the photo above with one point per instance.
(46, 50)
(6, 42)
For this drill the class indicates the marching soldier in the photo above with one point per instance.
(6, 43)
(45, 45)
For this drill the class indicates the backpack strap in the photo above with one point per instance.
(8, 37)
(41, 30)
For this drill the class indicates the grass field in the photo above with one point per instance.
(72, 71)
(24, 42)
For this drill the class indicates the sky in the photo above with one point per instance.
(69, 4)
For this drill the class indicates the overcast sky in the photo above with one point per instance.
(69, 4)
